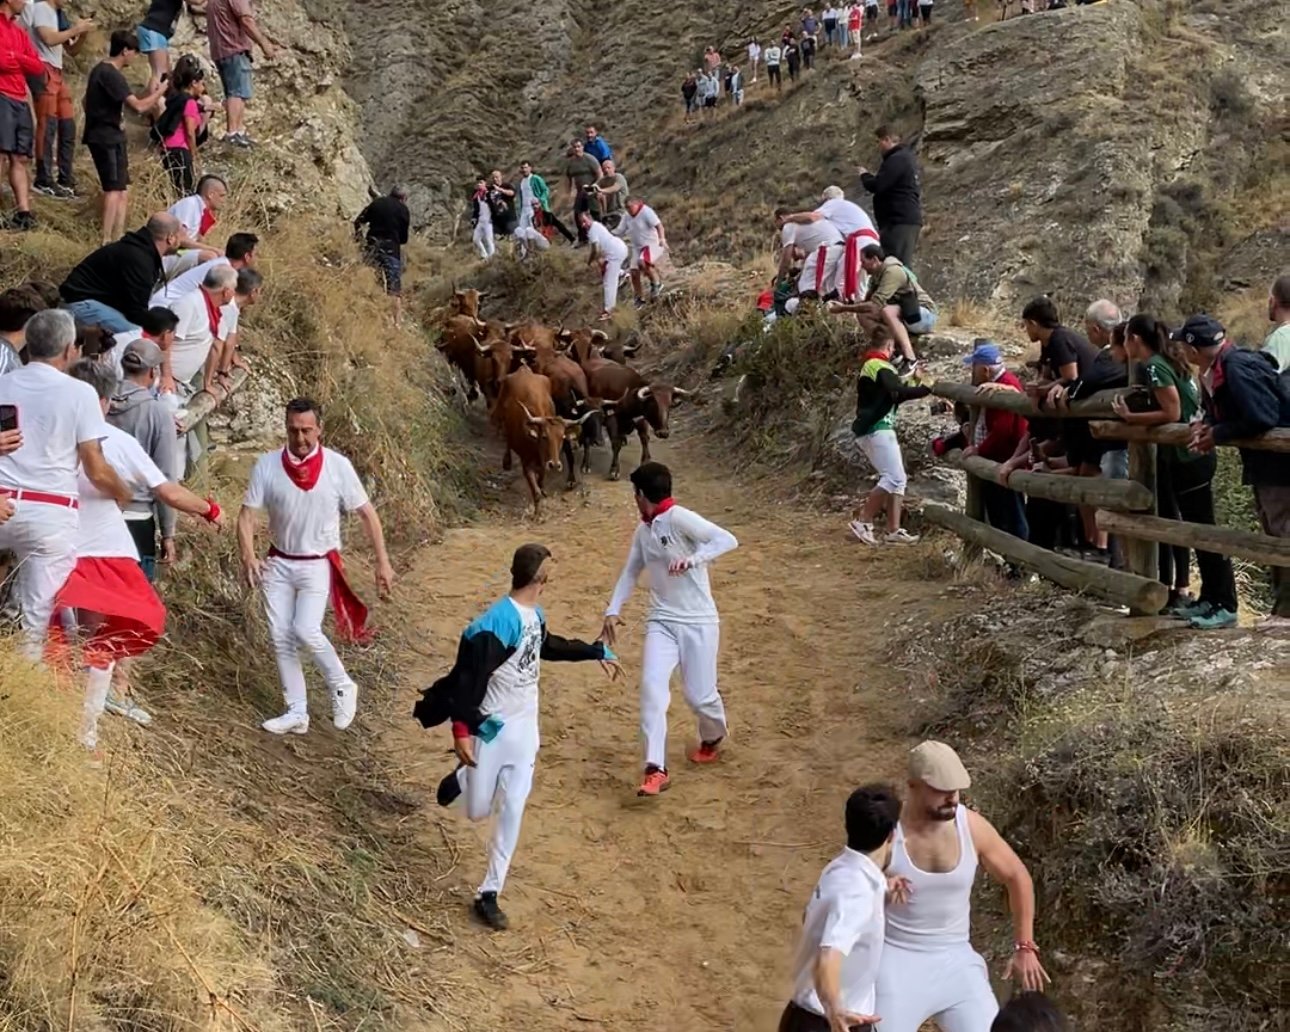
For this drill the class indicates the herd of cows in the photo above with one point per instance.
(548, 387)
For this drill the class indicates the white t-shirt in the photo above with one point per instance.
(754, 51)
(609, 246)
(677, 533)
(184, 284)
(641, 229)
(847, 216)
(56, 414)
(229, 317)
(830, 14)
(485, 214)
(193, 337)
(811, 235)
(844, 913)
(305, 522)
(103, 532)
(41, 15)
(189, 212)
(513, 687)
(772, 55)
(526, 193)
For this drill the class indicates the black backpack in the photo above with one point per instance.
(170, 118)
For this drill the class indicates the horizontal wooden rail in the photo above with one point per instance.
(1126, 495)
(202, 404)
(1096, 406)
(1259, 548)
(1180, 434)
(1140, 594)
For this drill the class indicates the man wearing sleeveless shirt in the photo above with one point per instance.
(929, 969)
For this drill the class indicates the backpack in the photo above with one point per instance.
(169, 119)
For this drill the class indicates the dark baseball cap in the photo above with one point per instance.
(141, 354)
(1201, 331)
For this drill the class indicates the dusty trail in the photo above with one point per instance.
(677, 913)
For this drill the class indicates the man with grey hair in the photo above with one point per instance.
(857, 230)
(388, 221)
(111, 286)
(60, 426)
(1100, 321)
(246, 293)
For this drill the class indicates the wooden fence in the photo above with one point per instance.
(1125, 508)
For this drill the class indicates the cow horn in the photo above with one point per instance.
(599, 335)
(679, 393)
(482, 294)
(631, 349)
(483, 349)
(532, 418)
(480, 323)
(611, 402)
(643, 393)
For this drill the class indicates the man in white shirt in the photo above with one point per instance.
(239, 253)
(304, 488)
(643, 229)
(611, 253)
(858, 231)
(189, 360)
(120, 614)
(197, 214)
(61, 428)
(491, 697)
(819, 243)
(838, 955)
(674, 546)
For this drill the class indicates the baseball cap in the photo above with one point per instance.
(1201, 331)
(937, 765)
(986, 352)
(140, 355)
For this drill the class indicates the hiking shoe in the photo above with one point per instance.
(1215, 620)
(1191, 607)
(344, 704)
(706, 752)
(288, 724)
(22, 220)
(487, 910)
(901, 537)
(129, 709)
(449, 788)
(640, 302)
(863, 532)
(656, 781)
(1179, 604)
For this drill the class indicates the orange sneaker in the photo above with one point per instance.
(706, 752)
(655, 782)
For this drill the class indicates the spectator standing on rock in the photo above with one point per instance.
(111, 286)
(597, 146)
(481, 218)
(792, 57)
(897, 196)
(855, 25)
(183, 117)
(929, 969)
(754, 57)
(1277, 343)
(304, 488)
(107, 93)
(709, 91)
(18, 59)
(735, 84)
(157, 29)
(711, 59)
(581, 171)
(878, 392)
(610, 252)
(774, 52)
(829, 16)
(232, 31)
(55, 142)
(611, 194)
(59, 426)
(1243, 396)
(809, 44)
(387, 221)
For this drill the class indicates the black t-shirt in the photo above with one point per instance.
(105, 94)
(1064, 347)
(387, 220)
(162, 16)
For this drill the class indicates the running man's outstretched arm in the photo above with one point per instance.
(712, 541)
(574, 650)
(1003, 865)
(623, 589)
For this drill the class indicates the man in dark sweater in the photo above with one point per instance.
(388, 221)
(897, 197)
(111, 286)
(1243, 396)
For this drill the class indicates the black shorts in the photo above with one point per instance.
(709, 101)
(112, 162)
(16, 130)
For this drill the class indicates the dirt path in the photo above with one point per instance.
(678, 913)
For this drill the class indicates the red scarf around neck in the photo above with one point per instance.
(659, 509)
(207, 223)
(304, 473)
(212, 312)
(881, 356)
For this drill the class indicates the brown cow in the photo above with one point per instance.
(463, 342)
(525, 413)
(573, 399)
(642, 407)
(465, 302)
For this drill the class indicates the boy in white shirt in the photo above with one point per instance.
(611, 253)
(675, 546)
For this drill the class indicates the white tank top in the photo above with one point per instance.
(939, 911)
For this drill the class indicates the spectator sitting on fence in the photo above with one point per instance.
(1277, 343)
(110, 286)
(1242, 397)
(1184, 479)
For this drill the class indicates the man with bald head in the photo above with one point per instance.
(111, 286)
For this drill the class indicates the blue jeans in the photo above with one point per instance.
(96, 313)
(925, 324)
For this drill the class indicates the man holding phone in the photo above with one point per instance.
(491, 697)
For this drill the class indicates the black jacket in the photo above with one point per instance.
(897, 195)
(878, 391)
(1249, 398)
(387, 220)
(122, 275)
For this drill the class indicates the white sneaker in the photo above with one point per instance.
(344, 704)
(863, 531)
(129, 709)
(288, 724)
(1274, 623)
(901, 537)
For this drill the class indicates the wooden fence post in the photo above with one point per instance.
(973, 508)
(1143, 556)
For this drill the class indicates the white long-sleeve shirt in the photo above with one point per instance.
(677, 533)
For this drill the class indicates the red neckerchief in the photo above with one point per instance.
(480, 194)
(659, 509)
(1217, 377)
(304, 473)
(881, 356)
(207, 223)
(212, 312)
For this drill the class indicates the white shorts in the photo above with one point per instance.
(950, 985)
(882, 449)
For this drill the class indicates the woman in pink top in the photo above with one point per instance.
(181, 124)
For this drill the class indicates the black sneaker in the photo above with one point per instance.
(65, 192)
(449, 789)
(44, 189)
(22, 220)
(487, 910)
(904, 366)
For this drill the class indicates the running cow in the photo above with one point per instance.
(525, 413)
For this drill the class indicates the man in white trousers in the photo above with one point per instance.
(857, 231)
(304, 488)
(643, 230)
(819, 243)
(929, 970)
(52, 427)
(611, 253)
(675, 546)
(491, 698)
